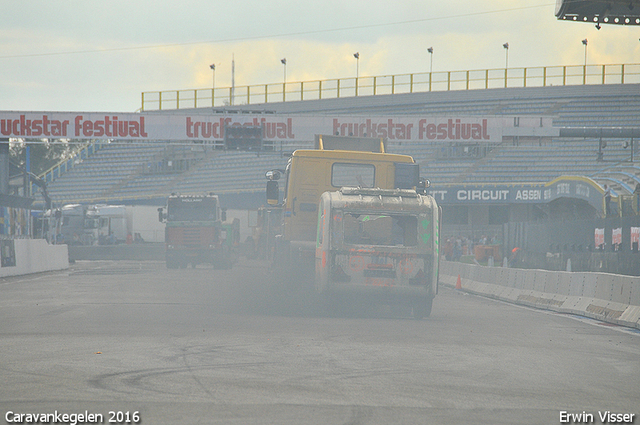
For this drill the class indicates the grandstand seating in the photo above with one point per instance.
(121, 171)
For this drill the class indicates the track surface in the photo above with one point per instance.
(202, 346)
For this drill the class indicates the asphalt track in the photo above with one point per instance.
(202, 346)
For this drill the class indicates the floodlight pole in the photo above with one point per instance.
(357, 56)
(430, 50)
(506, 62)
(506, 54)
(585, 42)
(233, 79)
(213, 85)
(283, 61)
(584, 73)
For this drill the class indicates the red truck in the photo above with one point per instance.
(196, 232)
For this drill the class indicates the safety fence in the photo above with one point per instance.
(392, 84)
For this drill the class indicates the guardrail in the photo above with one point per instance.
(392, 84)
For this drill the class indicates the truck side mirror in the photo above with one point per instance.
(160, 215)
(273, 192)
(224, 215)
(423, 185)
(272, 175)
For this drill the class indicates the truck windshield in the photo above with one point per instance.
(370, 229)
(357, 175)
(191, 209)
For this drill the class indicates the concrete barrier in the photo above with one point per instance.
(564, 282)
(35, 256)
(540, 282)
(576, 284)
(607, 297)
(590, 281)
(634, 299)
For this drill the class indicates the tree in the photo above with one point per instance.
(44, 153)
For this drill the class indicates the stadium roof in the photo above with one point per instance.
(617, 12)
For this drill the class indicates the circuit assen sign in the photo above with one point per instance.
(563, 187)
(488, 194)
(179, 126)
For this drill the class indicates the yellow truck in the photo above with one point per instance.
(336, 162)
(379, 243)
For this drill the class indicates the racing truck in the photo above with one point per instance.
(197, 232)
(335, 162)
(380, 243)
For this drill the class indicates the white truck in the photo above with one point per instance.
(72, 224)
(382, 243)
(115, 223)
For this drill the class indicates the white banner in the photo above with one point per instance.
(599, 238)
(616, 236)
(635, 237)
(179, 126)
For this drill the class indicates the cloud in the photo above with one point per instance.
(114, 56)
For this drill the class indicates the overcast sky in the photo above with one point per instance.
(90, 55)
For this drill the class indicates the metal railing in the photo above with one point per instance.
(392, 84)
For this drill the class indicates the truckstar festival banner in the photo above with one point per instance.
(180, 126)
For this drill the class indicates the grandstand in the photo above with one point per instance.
(140, 172)
(528, 163)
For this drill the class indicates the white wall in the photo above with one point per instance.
(36, 255)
